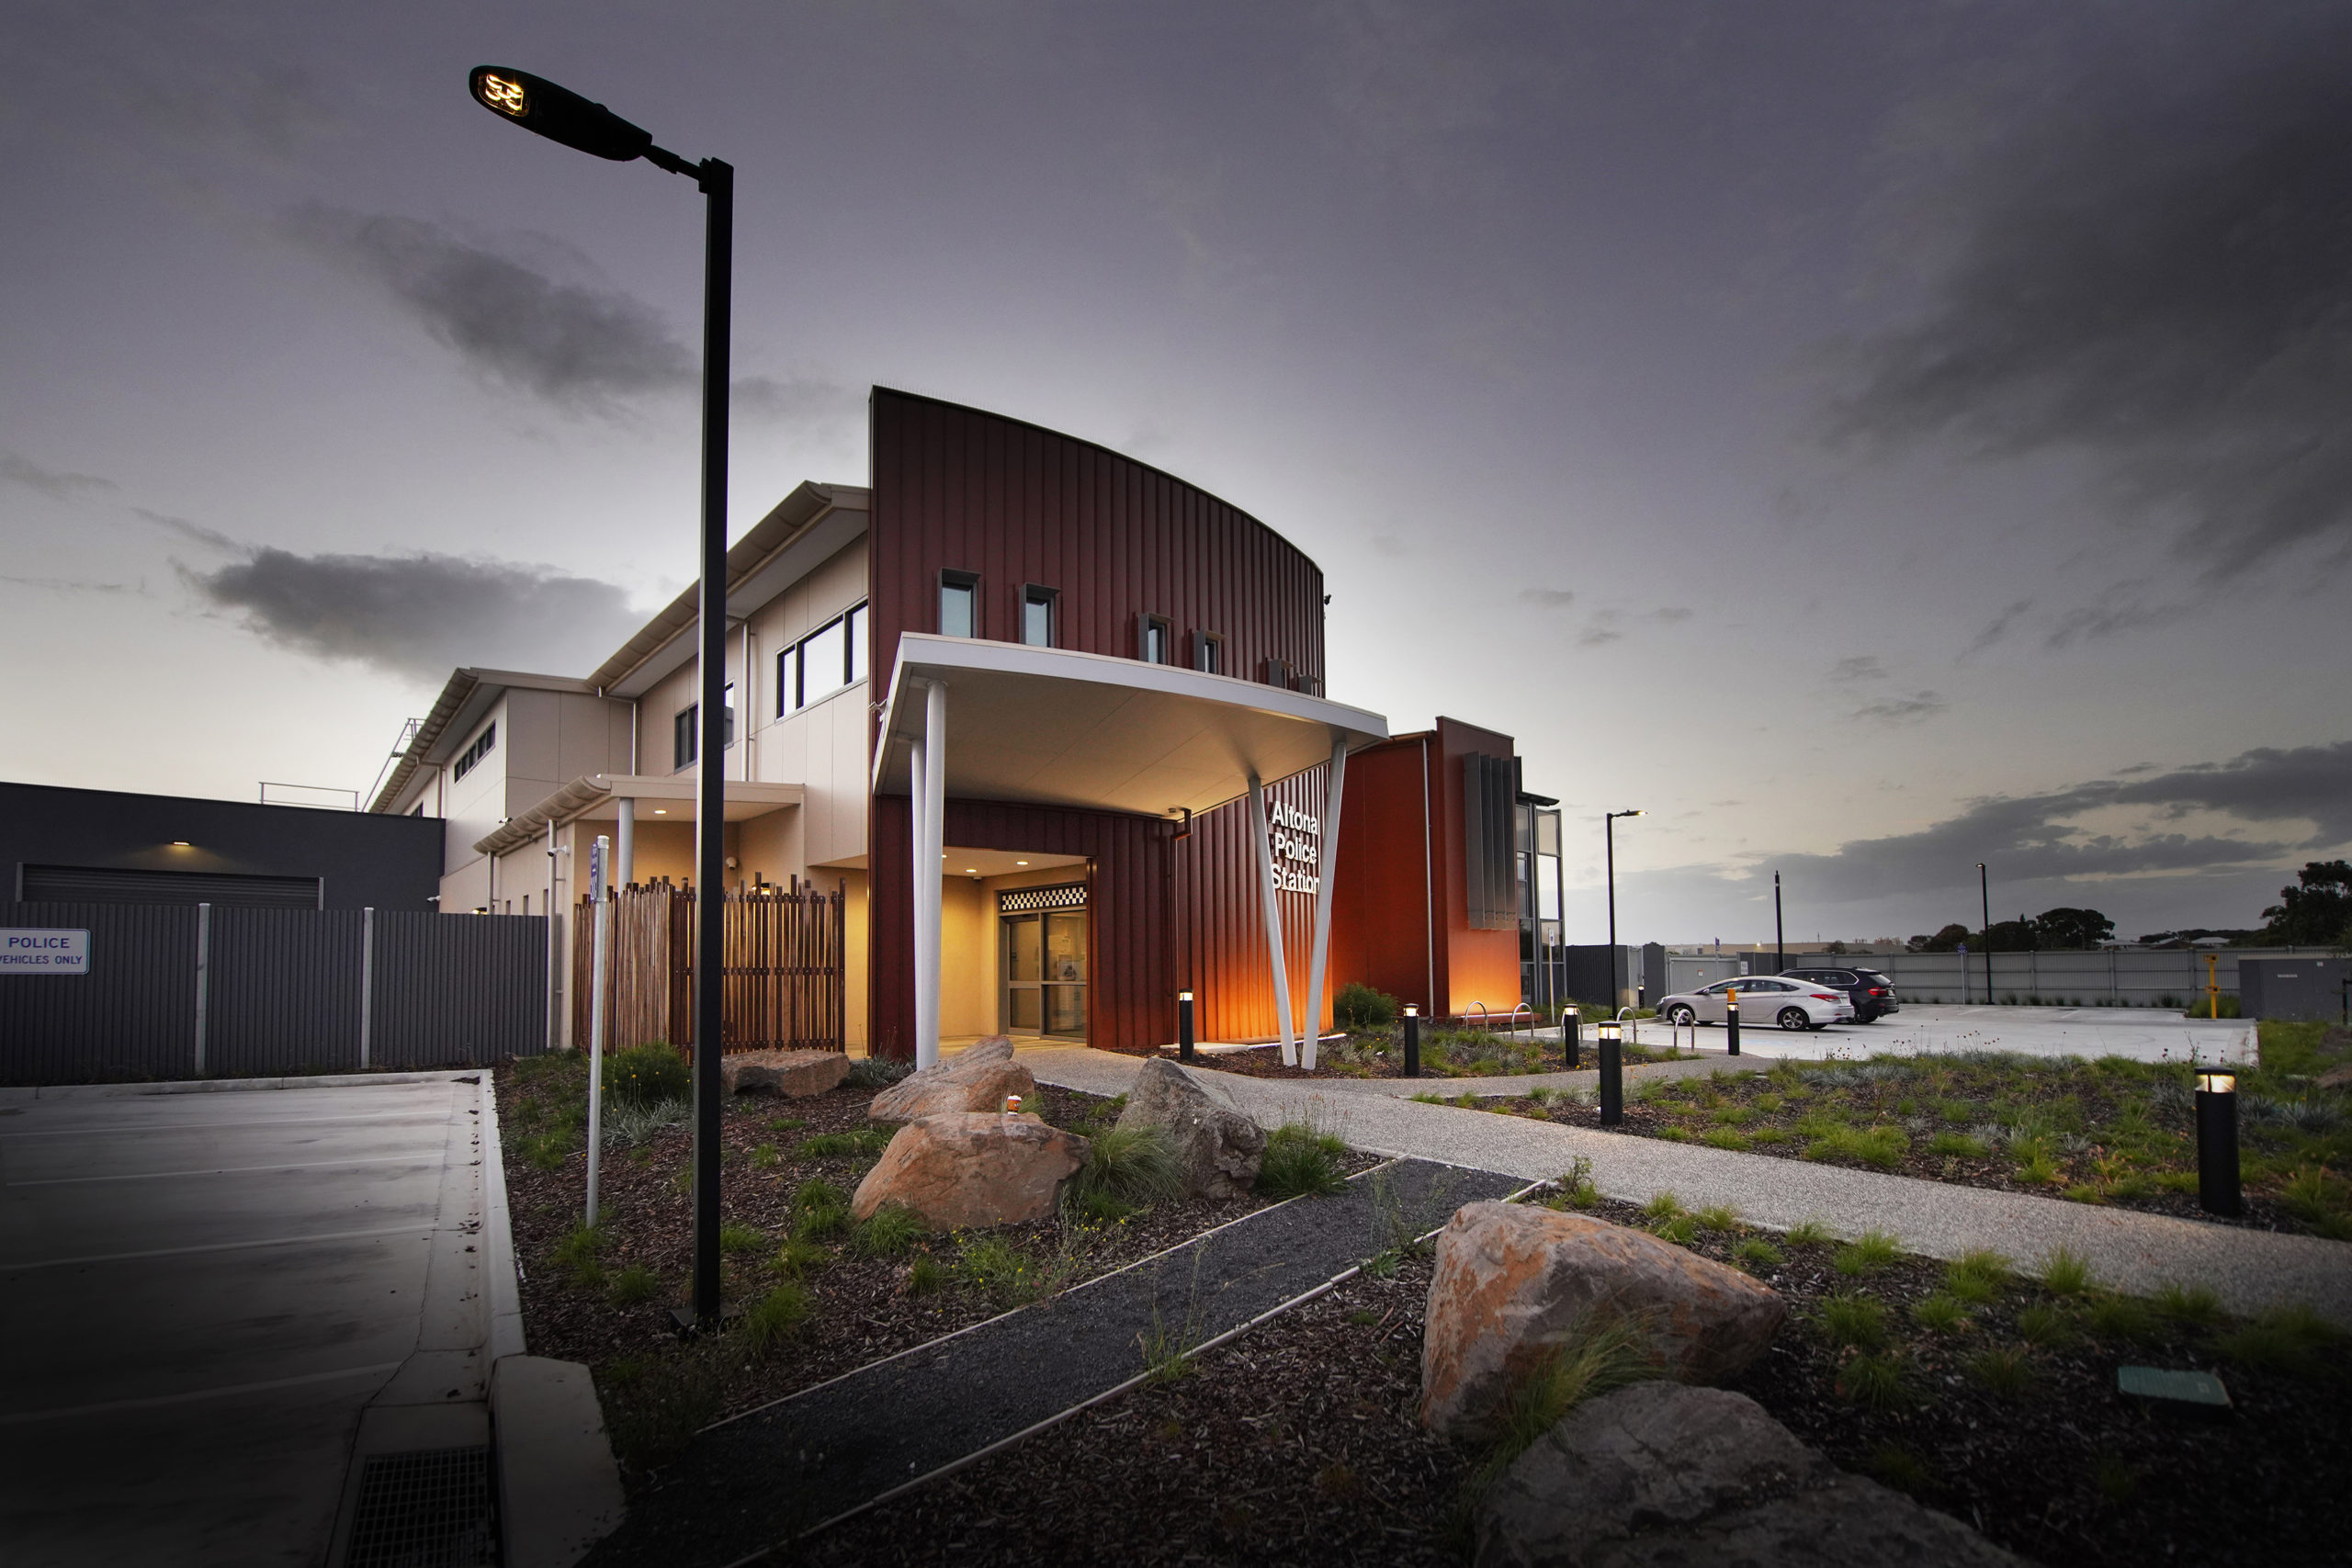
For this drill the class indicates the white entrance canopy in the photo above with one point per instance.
(1052, 727)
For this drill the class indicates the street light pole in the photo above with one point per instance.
(1779, 944)
(561, 115)
(1985, 892)
(1609, 849)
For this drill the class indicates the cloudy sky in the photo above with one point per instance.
(1872, 438)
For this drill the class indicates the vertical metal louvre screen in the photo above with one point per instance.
(784, 972)
(283, 992)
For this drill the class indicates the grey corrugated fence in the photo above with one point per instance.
(177, 991)
(2104, 978)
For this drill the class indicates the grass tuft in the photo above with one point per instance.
(773, 1317)
(1866, 1254)
(741, 1238)
(1810, 1232)
(634, 1285)
(1720, 1217)
(1603, 1352)
(2120, 1317)
(800, 1255)
(1756, 1255)
(1133, 1164)
(2006, 1371)
(2046, 1325)
(2066, 1273)
(1301, 1162)
(1941, 1314)
(864, 1142)
(1855, 1320)
(1977, 1275)
(1875, 1380)
(891, 1231)
(927, 1274)
(2189, 1304)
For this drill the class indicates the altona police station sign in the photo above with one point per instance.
(33, 951)
(1297, 843)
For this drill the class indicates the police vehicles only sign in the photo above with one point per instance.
(30, 950)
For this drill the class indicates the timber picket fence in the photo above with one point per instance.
(784, 983)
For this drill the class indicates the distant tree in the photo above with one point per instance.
(1944, 940)
(2317, 912)
(2064, 927)
(2007, 936)
(1835, 947)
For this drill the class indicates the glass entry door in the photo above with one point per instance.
(1043, 961)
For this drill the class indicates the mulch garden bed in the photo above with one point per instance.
(2108, 1131)
(1446, 1053)
(1298, 1442)
(605, 1301)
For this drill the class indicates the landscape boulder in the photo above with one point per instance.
(1218, 1149)
(978, 1079)
(963, 1169)
(793, 1073)
(1662, 1474)
(1514, 1282)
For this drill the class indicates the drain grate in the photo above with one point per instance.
(426, 1509)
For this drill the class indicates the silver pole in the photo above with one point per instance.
(596, 1044)
(1275, 945)
(1328, 851)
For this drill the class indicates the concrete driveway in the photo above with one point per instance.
(204, 1286)
(2145, 1034)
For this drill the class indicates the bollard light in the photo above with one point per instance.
(1572, 1035)
(1184, 1026)
(1730, 1018)
(1412, 1041)
(2218, 1191)
(1612, 1071)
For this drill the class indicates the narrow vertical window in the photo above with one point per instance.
(684, 735)
(787, 682)
(959, 604)
(1038, 616)
(1278, 673)
(1208, 653)
(1152, 643)
(727, 718)
(855, 622)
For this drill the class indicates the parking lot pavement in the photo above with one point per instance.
(203, 1292)
(2145, 1034)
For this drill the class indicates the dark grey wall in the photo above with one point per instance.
(2304, 988)
(391, 862)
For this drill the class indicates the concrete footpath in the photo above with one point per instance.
(2127, 1251)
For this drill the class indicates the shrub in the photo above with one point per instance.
(877, 1072)
(1360, 1009)
(1134, 1165)
(1868, 1253)
(631, 1124)
(634, 1285)
(1941, 1314)
(773, 1317)
(2066, 1273)
(1852, 1320)
(647, 1074)
(1875, 1380)
(1301, 1162)
(1578, 1189)
(891, 1231)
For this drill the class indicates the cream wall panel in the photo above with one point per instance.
(476, 804)
(967, 1000)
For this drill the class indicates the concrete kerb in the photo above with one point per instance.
(2247, 1270)
(26, 1095)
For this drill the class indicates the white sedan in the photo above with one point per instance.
(1792, 1004)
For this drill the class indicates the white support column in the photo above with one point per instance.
(625, 871)
(1327, 854)
(918, 838)
(1273, 918)
(601, 916)
(927, 806)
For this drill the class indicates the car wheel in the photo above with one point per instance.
(1680, 1016)
(1794, 1019)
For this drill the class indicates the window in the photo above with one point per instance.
(684, 731)
(1277, 673)
(484, 745)
(1038, 616)
(832, 657)
(727, 719)
(1153, 644)
(1208, 653)
(959, 604)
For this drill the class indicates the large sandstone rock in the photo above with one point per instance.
(1663, 1474)
(976, 1080)
(967, 1167)
(1514, 1282)
(1219, 1149)
(794, 1074)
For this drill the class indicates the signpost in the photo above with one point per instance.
(603, 909)
(33, 949)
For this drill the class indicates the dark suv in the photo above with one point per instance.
(1872, 992)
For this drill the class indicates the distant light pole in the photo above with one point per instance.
(1609, 844)
(1779, 944)
(561, 115)
(1985, 892)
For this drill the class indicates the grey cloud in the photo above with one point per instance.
(53, 483)
(2119, 610)
(577, 346)
(1673, 614)
(805, 400)
(1997, 627)
(2159, 279)
(1550, 598)
(71, 585)
(1859, 668)
(194, 532)
(1903, 710)
(420, 616)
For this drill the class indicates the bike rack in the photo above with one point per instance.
(1485, 1020)
(1523, 1007)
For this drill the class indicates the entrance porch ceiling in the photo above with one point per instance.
(596, 797)
(1053, 727)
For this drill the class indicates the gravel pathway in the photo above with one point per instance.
(2249, 1270)
(749, 1485)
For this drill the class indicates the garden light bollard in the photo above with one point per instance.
(1730, 1018)
(1184, 1026)
(2218, 1191)
(1613, 1073)
(1572, 1035)
(1412, 1041)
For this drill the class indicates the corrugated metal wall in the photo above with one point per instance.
(458, 990)
(132, 1016)
(282, 993)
